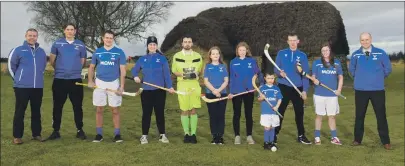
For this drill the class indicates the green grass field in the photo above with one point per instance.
(71, 151)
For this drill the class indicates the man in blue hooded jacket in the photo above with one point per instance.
(26, 64)
(369, 66)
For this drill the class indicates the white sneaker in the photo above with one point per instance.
(144, 139)
(163, 138)
(336, 141)
(250, 140)
(237, 140)
(317, 141)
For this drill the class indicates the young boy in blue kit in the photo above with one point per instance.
(269, 119)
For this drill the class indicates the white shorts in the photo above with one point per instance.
(269, 120)
(326, 105)
(100, 95)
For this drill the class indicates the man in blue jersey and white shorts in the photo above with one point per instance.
(110, 61)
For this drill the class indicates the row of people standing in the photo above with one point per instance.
(68, 57)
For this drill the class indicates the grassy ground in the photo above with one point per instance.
(71, 151)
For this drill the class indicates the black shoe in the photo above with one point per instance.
(98, 138)
(214, 140)
(221, 141)
(80, 134)
(186, 139)
(193, 139)
(55, 135)
(266, 146)
(117, 138)
(304, 140)
(275, 139)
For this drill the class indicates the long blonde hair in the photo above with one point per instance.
(243, 44)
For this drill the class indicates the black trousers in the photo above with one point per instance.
(247, 100)
(216, 111)
(153, 100)
(22, 97)
(378, 101)
(290, 94)
(61, 89)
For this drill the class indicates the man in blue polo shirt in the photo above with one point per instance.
(67, 57)
(110, 61)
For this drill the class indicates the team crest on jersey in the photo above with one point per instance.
(374, 57)
(220, 69)
(298, 59)
(112, 57)
(250, 65)
(144, 60)
(285, 55)
(76, 47)
(157, 60)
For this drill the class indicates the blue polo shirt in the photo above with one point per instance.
(216, 75)
(108, 63)
(68, 58)
(273, 94)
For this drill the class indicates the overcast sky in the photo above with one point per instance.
(385, 21)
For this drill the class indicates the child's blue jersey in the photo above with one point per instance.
(273, 94)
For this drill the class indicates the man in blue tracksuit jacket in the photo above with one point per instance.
(287, 60)
(26, 65)
(67, 57)
(369, 66)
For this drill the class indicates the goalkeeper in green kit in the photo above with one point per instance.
(187, 65)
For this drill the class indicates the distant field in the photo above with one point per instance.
(70, 151)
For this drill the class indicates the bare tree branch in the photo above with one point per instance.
(128, 19)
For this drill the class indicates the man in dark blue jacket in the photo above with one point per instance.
(369, 66)
(67, 57)
(26, 64)
(287, 60)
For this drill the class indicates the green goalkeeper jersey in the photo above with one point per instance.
(186, 64)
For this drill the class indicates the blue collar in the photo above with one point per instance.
(28, 45)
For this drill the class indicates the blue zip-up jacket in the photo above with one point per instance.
(241, 74)
(287, 60)
(155, 70)
(27, 65)
(369, 72)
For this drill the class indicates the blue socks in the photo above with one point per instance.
(269, 135)
(317, 133)
(99, 130)
(117, 131)
(333, 133)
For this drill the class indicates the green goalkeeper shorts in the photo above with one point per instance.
(192, 99)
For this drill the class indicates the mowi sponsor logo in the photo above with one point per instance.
(328, 72)
(108, 63)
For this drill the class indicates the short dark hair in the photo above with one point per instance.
(292, 33)
(186, 36)
(32, 30)
(109, 32)
(71, 24)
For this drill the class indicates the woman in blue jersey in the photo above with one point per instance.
(242, 69)
(329, 72)
(215, 81)
(155, 70)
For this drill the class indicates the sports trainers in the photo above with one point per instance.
(186, 138)
(336, 141)
(81, 135)
(220, 141)
(98, 138)
(266, 146)
(237, 140)
(250, 140)
(55, 135)
(144, 139)
(163, 138)
(304, 140)
(193, 139)
(117, 138)
(317, 141)
(214, 139)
